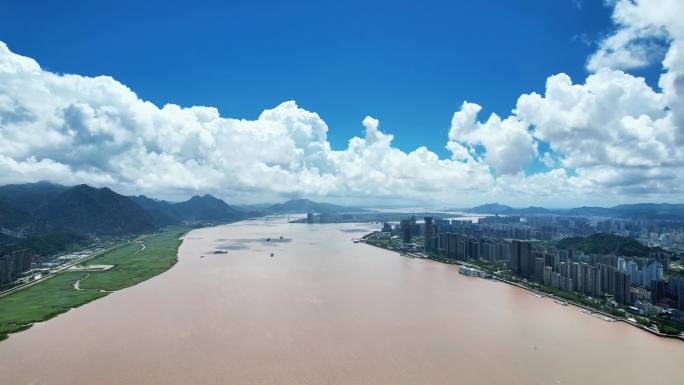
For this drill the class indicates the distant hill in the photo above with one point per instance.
(205, 207)
(606, 244)
(492, 208)
(12, 218)
(536, 210)
(496, 208)
(649, 211)
(591, 211)
(162, 212)
(197, 208)
(45, 208)
(256, 207)
(306, 206)
(661, 211)
(48, 218)
(88, 210)
(29, 197)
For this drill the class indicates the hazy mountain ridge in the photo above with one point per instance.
(88, 210)
(205, 207)
(652, 211)
(29, 197)
(45, 216)
(162, 212)
(306, 205)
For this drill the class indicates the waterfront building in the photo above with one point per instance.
(673, 290)
(605, 273)
(565, 269)
(539, 269)
(556, 263)
(441, 243)
(503, 251)
(488, 251)
(566, 284)
(415, 227)
(653, 271)
(549, 260)
(451, 243)
(587, 277)
(469, 271)
(429, 242)
(310, 218)
(641, 294)
(473, 248)
(575, 275)
(634, 272)
(406, 230)
(646, 308)
(595, 288)
(460, 248)
(623, 286)
(621, 264)
(548, 271)
(556, 280)
(521, 255)
(657, 290)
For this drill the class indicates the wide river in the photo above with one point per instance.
(324, 310)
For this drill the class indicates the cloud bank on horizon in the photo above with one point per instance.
(612, 138)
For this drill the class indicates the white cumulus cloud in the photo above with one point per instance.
(611, 137)
(75, 129)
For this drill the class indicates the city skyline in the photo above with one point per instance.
(602, 137)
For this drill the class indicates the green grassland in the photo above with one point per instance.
(40, 302)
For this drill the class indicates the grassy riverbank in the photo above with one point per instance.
(132, 265)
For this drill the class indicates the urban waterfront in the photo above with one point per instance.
(325, 310)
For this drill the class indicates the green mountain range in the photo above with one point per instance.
(48, 217)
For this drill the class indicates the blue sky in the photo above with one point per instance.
(410, 64)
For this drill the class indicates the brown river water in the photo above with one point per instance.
(324, 310)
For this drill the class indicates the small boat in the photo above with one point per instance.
(201, 256)
(281, 237)
(271, 255)
(268, 239)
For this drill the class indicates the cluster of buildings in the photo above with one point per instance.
(443, 236)
(15, 264)
(456, 246)
(561, 272)
(633, 282)
(666, 234)
(637, 282)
